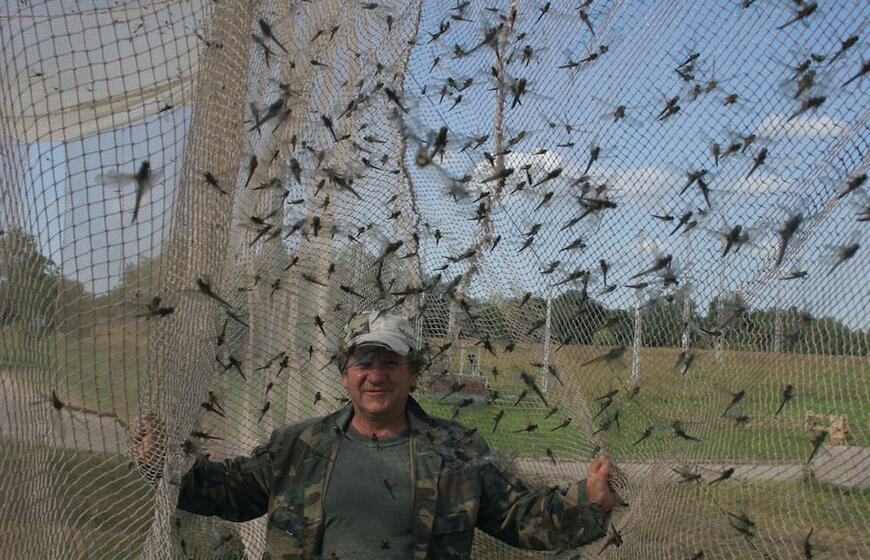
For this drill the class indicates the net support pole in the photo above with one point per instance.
(418, 323)
(719, 313)
(777, 324)
(451, 324)
(684, 342)
(635, 351)
(545, 377)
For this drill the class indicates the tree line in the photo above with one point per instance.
(36, 296)
(577, 318)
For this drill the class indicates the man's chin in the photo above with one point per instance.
(377, 401)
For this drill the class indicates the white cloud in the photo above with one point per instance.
(644, 180)
(760, 182)
(806, 126)
(650, 247)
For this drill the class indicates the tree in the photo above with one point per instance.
(576, 317)
(30, 283)
(662, 325)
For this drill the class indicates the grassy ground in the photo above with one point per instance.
(782, 515)
(97, 506)
(101, 371)
(100, 508)
(749, 430)
(89, 505)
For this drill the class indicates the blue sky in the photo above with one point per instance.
(643, 160)
(85, 225)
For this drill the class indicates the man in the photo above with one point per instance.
(382, 479)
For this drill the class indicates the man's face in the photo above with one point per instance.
(378, 382)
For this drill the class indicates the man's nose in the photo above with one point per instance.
(376, 374)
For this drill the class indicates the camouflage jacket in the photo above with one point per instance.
(456, 486)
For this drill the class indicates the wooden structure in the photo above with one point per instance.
(837, 425)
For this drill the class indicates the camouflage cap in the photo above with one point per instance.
(380, 329)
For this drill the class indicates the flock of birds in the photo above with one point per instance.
(350, 154)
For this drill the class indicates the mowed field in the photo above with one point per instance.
(102, 371)
(105, 372)
(748, 430)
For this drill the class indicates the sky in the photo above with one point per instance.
(85, 224)
(645, 160)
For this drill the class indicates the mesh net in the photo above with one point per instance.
(653, 209)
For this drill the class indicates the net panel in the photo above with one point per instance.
(655, 211)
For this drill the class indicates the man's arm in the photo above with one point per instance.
(548, 518)
(234, 489)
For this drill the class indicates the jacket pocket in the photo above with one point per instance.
(284, 533)
(451, 536)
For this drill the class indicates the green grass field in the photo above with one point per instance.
(104, 368)
(822, 384)
(101, 371)
(95, 505)
(99, 506)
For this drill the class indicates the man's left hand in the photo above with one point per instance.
(597, 486)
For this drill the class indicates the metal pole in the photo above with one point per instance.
(418, 322)
(635, 354)
(777, 323)
(451, 321)
(545, 369)
(684, 343)
(719, 313)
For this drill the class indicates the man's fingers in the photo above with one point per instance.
(148, 440)
(596, 465)
(602, 465)
(597, 483)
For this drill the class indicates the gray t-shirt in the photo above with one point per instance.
(367, 510)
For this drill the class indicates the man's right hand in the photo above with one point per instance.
(149, 446)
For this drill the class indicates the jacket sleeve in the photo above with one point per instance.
(235, 489)
(542, 519)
